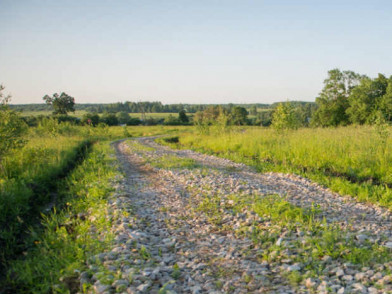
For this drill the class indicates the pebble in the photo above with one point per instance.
(164, 243)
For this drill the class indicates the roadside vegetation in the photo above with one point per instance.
(55, 179)
(350, 160)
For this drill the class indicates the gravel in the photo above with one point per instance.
(164, 244)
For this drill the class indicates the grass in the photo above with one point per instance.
(173, 162)
(350, 160)
(278, 218)
(59, 252)
(31, 185)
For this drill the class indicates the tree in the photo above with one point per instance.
(385, 104)
(91, 119)
(366, 99)
(123, 117)
(285, 117)
(62, 104)
(182, 117)
(110, 119)
(12, 127)
(333, 100)
(239, 115)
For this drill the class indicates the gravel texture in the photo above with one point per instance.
(164, 242)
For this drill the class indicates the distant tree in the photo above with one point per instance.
(62, 104)
(385, 103)
(366, 99)
(110, 119)
(182, 117)
(285, 117)
(91, 119)
(123, 117)
(239, 115)
(333, 99)
(253, 110)
(12, 127)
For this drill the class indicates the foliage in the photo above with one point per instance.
(91, 119)
(12, 127)
(239, 116)
(62, 104)
(350, 160)
(333, 99)
(182, 117)
(285, 117)
(123, 118)
(110, 119)
(366, 99)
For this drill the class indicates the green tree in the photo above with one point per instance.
(385, 103)
(12, 127)
(62, 104)
(333, 102)
(285, 117)
(123, 117)
(182, 117)
(366, 99)
(110, 119)
(90, 119)
(239, 115)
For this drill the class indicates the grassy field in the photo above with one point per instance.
(350, 160)
(34, 181)
(80, 113)
(77, 113)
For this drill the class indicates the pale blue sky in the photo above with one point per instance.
(188, 51)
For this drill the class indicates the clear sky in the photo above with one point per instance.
(188, 51)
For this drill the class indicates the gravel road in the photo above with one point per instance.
(168, 239)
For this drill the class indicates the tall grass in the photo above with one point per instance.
(29, 176)
(72, 234)
(351, 160)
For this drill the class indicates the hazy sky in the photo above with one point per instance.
(188, 51)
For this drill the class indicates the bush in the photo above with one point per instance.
(90, 119)
(110, 119)
(12, 127)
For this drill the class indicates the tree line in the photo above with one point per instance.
(351, 98)
(132, 107)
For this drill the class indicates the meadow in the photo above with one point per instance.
(353, 160)
(65, 170)
(80, 113)
(36, 184)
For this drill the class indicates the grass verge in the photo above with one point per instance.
(71, 234)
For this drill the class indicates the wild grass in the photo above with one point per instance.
(282, 231)
(173, 162)
(29, 176)
(78, 229)
(350, 160)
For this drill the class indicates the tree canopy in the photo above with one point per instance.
(62, 104)
(333, 101)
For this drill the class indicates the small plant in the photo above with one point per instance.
(176, 274)
(144, 253)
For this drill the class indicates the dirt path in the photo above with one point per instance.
(186, 223)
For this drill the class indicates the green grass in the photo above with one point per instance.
(173, 162)
(29, 176)
(350, 160)
(77, 113)
(59, 252)
(277, 216)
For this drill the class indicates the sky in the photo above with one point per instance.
(188, 51)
